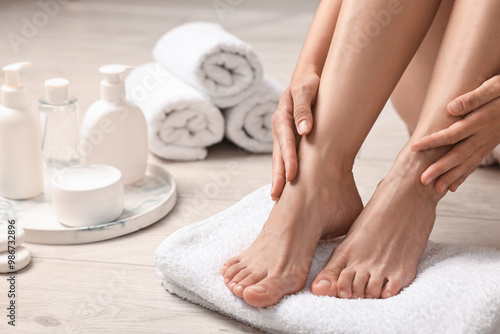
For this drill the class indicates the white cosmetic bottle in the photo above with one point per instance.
(114, 131)
(21, 169)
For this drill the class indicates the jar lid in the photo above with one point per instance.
(91, 183)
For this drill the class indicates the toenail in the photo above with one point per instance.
(388, 295)
(259, 289)
(355, 295)
(226, 281)
(325, 282)
(232, 284)
(369, 297)
(239, 288)
(343, 294)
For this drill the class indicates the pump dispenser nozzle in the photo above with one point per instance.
(13, 94)
(57, 91)
(113, 87)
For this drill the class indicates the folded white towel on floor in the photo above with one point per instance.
(248, 124)
(493, 158)
(182, 121)
(212, 60)
(457, 289)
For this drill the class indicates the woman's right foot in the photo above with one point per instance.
(277, 263)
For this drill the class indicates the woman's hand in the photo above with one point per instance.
(473, 137)
(292, 119)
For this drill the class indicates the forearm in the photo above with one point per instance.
(317, 43)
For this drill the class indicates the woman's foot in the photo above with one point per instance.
(277, 263)
(380, 254)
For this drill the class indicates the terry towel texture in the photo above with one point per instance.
(248, 124)
(182, 121)
(457, 289)
(211, 59)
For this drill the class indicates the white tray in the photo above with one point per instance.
(146, 202)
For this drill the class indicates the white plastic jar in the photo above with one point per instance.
(87, 195)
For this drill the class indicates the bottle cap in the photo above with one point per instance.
(57, 91)
(13, 94)
(113, 87)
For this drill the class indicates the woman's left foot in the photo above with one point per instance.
(380, 254)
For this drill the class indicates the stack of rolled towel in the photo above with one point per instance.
(205, 83)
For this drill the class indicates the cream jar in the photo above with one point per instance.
(87, 195)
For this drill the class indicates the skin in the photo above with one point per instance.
(384, 241)
(477, 134)
(301, 95)
(408, 98)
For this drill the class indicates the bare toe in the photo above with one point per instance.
(374, 287)
(392, 287)
(359, 284)
(244, 273)
(232, 261)
(325, 283)
(267, 292)
(232, 271)
(247, 281)
(344, 283)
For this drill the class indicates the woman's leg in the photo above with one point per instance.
(379, 255)
(374, 41)
(409, 94)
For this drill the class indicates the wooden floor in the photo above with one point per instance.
(110, 286)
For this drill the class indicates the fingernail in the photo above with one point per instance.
(259, 289)
(443, 187)
(239, 288)
(343, 294)
(303, 126)
(226, 280)
(325, 283)
(428, 180)
(456, 106)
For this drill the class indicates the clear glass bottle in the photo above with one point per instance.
(61, 129)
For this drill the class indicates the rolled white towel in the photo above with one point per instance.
(493, 158)
(212, 60)
(248, 124)
(182, 121)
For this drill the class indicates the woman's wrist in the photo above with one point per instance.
(304, 71)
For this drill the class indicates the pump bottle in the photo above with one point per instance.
(114, 130)
(21, 169)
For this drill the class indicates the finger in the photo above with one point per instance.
(468, 102)
(449, 136)
(458, 183)
(278, 171)
(456, 176)
(476, 160)
(455, 157)
(303, 97)
(283, 127)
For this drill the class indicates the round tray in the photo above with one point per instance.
(146, 202)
